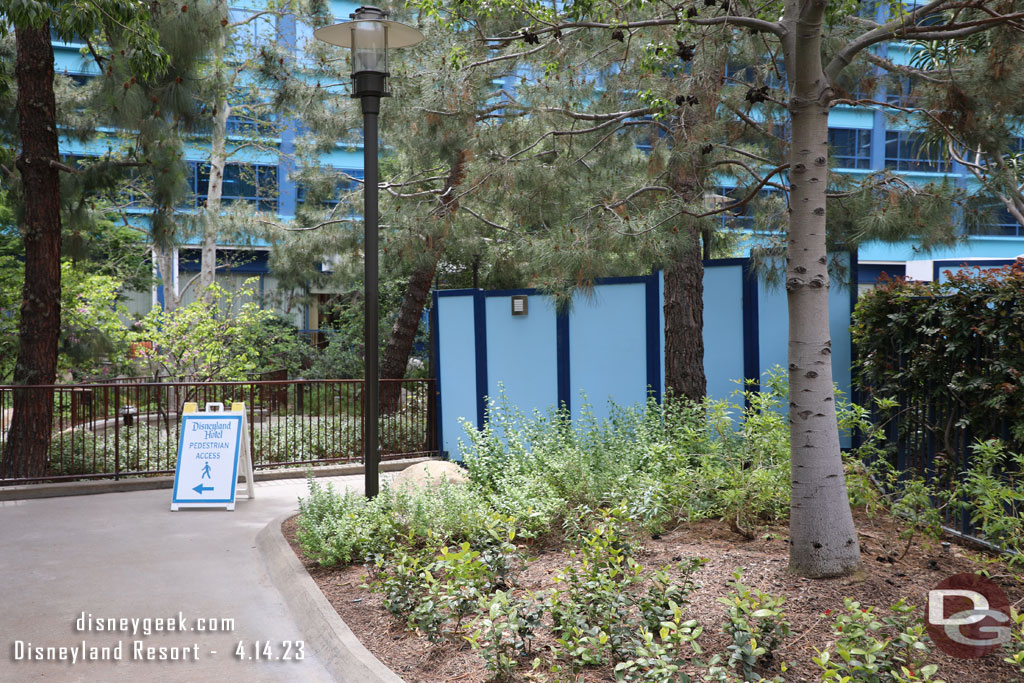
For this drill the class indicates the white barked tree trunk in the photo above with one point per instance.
(823, 539)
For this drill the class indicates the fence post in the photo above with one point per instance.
(117, 432)
(432, 445)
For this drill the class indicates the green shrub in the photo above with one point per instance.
(1015, 648)
(756, 626)
(668, 461)
(340, 528)
(142, 448)
(952, 343)
(876, 649)
(994, 497)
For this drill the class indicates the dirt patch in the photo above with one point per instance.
(764, 560)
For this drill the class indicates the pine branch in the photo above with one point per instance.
(947, 131)
(503, 58)
(412, 195)
(753, 174)
(893, 67)
(473, 213)
(322, 224)
(567, 25)
(740, 203)
(99, 59)
(906, 26)
(757, 25)
(756, 125)
(642, 111)
(251, 18)
(751, 155)
(61, 167)
(633, 195)
(431, 179)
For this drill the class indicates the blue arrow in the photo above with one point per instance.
(199, 489)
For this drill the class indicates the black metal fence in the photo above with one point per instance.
(929, 431)
(131, 429)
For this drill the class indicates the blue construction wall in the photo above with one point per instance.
(608, 346)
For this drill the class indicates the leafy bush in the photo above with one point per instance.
(142, 448)
(667, 461)
(1015, 648)
(529, 476)
(756, 626)
(955, 343)
(216, 338)
(994, 499)
(876, 649)
(339, 528)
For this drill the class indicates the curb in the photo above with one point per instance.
(339, 650)
(88, 488)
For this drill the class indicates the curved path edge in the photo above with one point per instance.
(335, 644)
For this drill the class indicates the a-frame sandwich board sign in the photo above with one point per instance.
(212, 449)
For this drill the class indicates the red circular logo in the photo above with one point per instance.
(968, 616)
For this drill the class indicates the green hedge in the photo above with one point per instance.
(957, 344)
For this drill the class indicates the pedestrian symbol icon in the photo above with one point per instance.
(206, 472)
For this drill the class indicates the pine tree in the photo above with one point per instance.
(809, 44)
(38, 179)
(969, 103)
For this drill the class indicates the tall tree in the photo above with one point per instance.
(39, 167)
(813, 43)
(29, 437)
(479, 150)
(968, 100)
(429, 177)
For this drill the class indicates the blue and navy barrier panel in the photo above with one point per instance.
(606, 346)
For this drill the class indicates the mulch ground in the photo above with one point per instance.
(764, 560)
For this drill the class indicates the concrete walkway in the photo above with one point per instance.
(126, 556)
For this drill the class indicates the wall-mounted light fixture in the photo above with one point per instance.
(520, 304)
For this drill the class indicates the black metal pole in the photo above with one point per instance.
(371, 385)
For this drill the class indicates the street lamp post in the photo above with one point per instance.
(369, 35)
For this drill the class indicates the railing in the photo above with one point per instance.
(928, 433)
(120, 430)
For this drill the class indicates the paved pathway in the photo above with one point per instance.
(127, 556)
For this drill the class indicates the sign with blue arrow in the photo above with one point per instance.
(209, 446)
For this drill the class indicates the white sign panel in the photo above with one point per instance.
(207, 469)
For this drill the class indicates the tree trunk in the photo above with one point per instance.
(823, 540)
(689, 176)
(399, 348)
(29, 437)
(215, 185)
(684, 323)
(396, 355)
(165, 264)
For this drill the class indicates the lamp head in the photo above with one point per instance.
(369, 35)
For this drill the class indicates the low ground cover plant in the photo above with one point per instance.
(448, 562)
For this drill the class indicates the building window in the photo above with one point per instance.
(252, 183)
(994, 219)
(900, 92)
(254, 29)
(341, 186)
(851, 147)
(906, 151)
